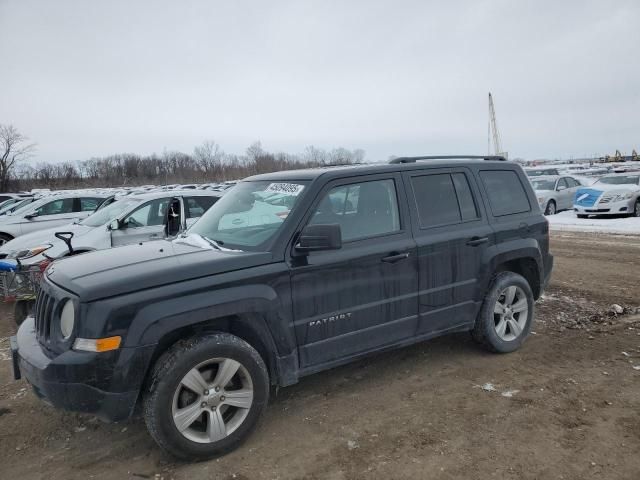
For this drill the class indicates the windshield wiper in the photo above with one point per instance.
(214, 243)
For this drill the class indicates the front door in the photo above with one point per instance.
(57, 212)
(145, 223)
(362, 296)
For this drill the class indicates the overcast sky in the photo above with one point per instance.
(91, 78)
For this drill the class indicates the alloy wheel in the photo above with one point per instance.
(212, 400)
(510, 313)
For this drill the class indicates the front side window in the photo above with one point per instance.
(247, 217)
(362, 210)
(506, 193)
(56, 207)
(149, 214)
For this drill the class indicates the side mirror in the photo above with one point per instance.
(114, 225)
(320, 237)
(31, 216)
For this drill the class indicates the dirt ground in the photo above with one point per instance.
(566, 406)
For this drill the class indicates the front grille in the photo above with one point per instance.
(43, 312)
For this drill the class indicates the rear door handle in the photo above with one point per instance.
(475, 241)
(396, 257)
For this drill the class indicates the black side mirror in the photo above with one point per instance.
(31, 216)
(320, 237)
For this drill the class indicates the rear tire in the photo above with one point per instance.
(206, 396)
(551, 208)
(506, 316)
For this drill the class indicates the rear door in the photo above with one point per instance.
(147, 222)
(362, 296)
(452, 234)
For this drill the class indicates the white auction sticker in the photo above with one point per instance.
(292, 189)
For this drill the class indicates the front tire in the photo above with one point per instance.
(551, 208)
(206, 396)
(506, 316)
(4, 238)
(636, 208)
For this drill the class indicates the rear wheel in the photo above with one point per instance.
(206, 396)
(551, 208)
(506, 315)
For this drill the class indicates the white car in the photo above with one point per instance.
(617, 194)
(48, 212)
(132, 219)
(555, 192)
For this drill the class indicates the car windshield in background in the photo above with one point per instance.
(540, 173)
(106, 214)
(543, 184)
(250, 214)
(621, 180)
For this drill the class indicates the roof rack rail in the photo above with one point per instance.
(447, 157)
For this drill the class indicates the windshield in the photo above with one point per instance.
(543, 184)
(620, 180)
(106, 214)
(250, 214)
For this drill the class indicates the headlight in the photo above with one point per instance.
(32, 252)
(67, 319)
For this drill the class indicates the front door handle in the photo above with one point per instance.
(475, 241)
(396, 257)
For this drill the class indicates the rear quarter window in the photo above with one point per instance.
(507, 195)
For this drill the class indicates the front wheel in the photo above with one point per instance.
(636, 208)
(551, 208)
(206, 396)
(506, 315)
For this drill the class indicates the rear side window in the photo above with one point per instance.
(506, 193)
(90, 204)
(443, 199)
(196, 206)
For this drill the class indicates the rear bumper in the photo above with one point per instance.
(81, 381)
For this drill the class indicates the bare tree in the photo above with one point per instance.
(13, 147)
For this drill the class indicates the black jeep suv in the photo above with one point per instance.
(288, 274)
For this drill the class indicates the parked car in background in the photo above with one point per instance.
(615, 194)
(555, 193)
(48, 212)
(132, 219)
(539, 172)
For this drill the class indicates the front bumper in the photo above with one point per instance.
(622, 207)
(104, 384)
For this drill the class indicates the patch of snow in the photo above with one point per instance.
(568, 221)
(509, 393)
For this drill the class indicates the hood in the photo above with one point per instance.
(616, 188)
(42, 236)
(131, 268)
